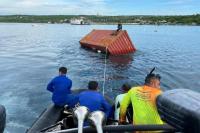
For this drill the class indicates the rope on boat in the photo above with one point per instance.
(104, 73)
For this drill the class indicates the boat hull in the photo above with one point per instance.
(2, 118)
(52, 114)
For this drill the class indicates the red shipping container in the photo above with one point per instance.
(116, 43)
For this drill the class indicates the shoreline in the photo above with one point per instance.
(101, 24)
(191, 20)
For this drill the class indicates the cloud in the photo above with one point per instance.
(102, 7)
(56, 7)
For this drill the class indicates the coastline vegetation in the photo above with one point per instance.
(97, 19)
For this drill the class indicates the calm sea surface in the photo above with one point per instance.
(30, 55)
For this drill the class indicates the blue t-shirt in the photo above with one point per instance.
(94, 101)
(60, 86)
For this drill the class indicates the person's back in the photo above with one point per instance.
(119, 27)
(60, 86)
(61, 89)
(143, 99)
(91, 99)
(94, 100)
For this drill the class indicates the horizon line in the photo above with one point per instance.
(93, 15)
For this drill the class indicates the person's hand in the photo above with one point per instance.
(122, 122)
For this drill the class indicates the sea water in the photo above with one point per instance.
(30, 55)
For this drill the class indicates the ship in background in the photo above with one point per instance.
(79, 21)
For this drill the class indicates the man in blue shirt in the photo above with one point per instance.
(60, 86)
(94, 100)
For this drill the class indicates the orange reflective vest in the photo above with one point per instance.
(143, 101)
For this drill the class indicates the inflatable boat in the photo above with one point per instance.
(179, 108)
(2, 118)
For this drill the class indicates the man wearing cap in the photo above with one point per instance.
(143, 100)
(125, 88)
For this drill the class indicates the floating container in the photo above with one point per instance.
(111, 41)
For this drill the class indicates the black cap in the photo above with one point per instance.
(152, 75)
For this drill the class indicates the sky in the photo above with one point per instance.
(100, 7)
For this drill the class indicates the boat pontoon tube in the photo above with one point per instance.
(181, 109)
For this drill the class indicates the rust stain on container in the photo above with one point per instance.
(116, 43)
